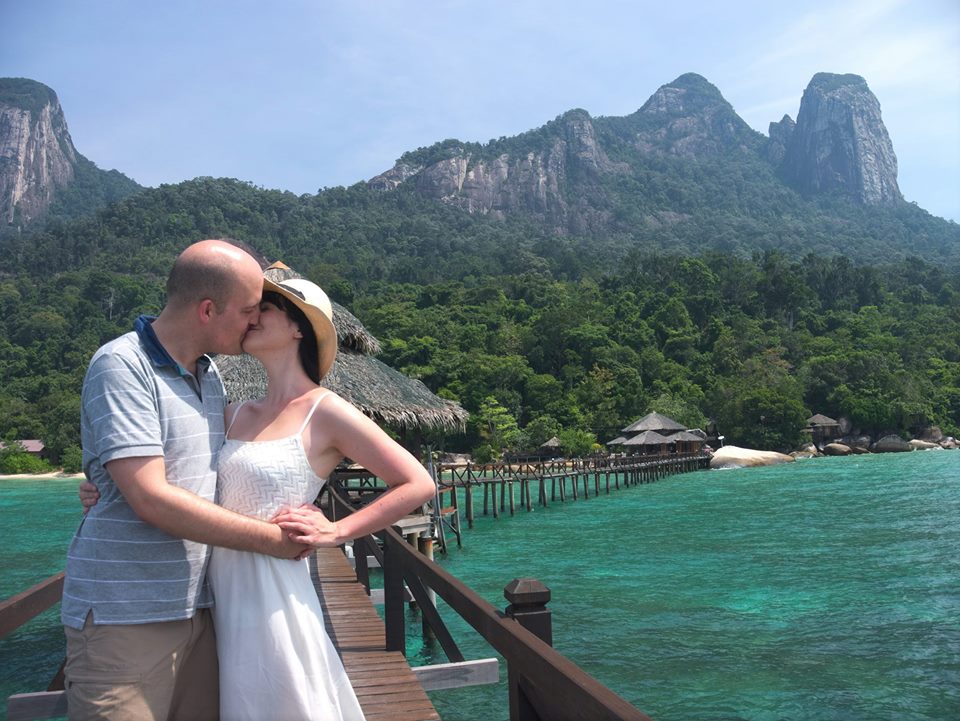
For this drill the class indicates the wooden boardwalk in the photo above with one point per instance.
(384, 683)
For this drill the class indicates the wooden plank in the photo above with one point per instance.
(42, 705)
(386, 686)
(457, 675)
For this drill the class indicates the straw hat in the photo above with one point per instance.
(315, 304)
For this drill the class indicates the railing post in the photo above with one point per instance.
(393, 611)
(528, 606)
(360, 562)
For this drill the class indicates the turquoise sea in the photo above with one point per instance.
(828, 589)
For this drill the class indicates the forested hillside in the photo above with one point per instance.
(535, 334)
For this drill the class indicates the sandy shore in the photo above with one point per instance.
(51, 474)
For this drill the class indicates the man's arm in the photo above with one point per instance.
(143, 483)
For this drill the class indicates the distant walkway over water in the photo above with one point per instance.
(567, 479)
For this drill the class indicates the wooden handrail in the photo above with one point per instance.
(17, 610)
(558, 687)
(571, 692)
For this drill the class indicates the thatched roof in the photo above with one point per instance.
(685, 436)
(618, 441)
(647, 438)
(821, 420)
(552, 443)
(379, 391)
(654, 422)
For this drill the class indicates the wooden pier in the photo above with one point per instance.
(567, 480)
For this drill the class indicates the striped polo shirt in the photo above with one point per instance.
(137, 402)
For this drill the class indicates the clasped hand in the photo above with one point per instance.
(308, 525)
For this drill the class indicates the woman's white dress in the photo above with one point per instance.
(276, 660)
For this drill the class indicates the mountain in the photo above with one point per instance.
(839, 143)
(41, 171)
(685, 172)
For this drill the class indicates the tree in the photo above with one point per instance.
(496, 426)
(576, 443)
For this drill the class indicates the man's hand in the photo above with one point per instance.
(308, 525)
(89, 495)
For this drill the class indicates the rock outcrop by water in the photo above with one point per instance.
(37, 157)
(735, 457)
(890, 444)
(839, 142)
(40, 170)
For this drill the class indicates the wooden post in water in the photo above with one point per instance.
(468, 497)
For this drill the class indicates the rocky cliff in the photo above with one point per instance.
(840, 143)
(37, 157)
(568, 173)
(41, 173)
(555, 172)
(689, 118)
(528, 174)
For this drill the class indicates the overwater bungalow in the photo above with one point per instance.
(657, 434)
(648, 443)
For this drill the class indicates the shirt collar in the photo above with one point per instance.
(157, 353)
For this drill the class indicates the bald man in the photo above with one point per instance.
(140, 642)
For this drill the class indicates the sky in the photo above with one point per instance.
(306, 94)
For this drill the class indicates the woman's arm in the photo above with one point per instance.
(343, 431)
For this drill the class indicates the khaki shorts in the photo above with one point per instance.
(143, 672)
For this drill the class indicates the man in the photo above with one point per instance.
(140, 643)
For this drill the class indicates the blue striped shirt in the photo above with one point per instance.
(137, 402)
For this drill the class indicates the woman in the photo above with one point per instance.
(276, 660)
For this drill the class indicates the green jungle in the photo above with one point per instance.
(760, 309)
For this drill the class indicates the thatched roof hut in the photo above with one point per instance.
(647, 442)
(654, 422)
(821, 420)
(647, 438)
(618, 441)
(686, 441)
(376, 389)
(685, 436)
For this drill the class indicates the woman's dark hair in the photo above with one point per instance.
(308, 351)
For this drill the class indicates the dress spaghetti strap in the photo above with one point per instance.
(234, 419)
(306, 421)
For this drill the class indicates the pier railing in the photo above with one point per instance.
(543, 684)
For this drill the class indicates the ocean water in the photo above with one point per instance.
(38, 517)
(828, 589)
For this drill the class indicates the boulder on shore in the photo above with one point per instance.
(891, 444)
(808, 450)
(950, 443)
(735, 457)
(837, 449)
(918, 445)
(932, 434)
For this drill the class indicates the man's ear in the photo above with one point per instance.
(206, 310)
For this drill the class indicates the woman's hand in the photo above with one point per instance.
(89, 495)
(309, 526)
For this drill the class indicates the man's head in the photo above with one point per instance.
(218, 287)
